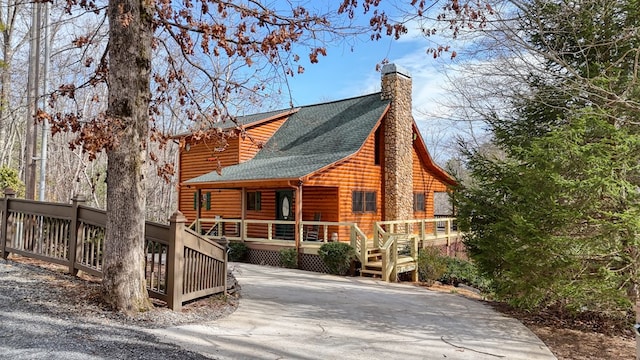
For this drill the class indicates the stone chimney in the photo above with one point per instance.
(398, 144)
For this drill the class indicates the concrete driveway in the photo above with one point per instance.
(291, 314)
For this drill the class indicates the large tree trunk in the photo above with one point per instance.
(130, 33)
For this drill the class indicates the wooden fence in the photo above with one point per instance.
(180, 265)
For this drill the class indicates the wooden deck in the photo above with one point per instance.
(391, 251)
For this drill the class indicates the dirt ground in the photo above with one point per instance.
(582, 339)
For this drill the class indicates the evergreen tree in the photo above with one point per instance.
(555, 220)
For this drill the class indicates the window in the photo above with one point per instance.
(204, 201)
(254, 199)
(363, 201)
(418, 202)
(370, 202)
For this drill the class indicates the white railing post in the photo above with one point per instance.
(353, 239)
(385, 265)
(376, 234)
(414, 256)
(394, 252)
(447, 233)
(244, 226)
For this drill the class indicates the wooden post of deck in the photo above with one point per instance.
(298, 218)
(175, 257)
(75, 246)
(9, 194)
(447, 233)
(198, 211)
(243, 214)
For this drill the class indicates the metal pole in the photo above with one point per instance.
(32, 99)
(45, 124)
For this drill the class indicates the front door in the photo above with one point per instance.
(284, 211)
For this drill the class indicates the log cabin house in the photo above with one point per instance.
(316, 173)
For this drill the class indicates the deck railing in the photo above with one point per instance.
(311, 233)
(180, 265)
(359, 242)
(430, 232)
(397, 242)
(396, 248)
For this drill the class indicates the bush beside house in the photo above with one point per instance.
(337, 256)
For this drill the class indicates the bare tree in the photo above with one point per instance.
(210, 38)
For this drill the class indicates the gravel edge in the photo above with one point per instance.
(48, 314)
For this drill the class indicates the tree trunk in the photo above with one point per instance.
(130, 33)
(5, 84)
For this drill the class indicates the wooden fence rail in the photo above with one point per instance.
(180, 265)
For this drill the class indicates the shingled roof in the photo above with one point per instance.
(314, 137)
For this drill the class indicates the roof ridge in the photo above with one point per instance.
(340, 100)
(281, 110)
(285, 109)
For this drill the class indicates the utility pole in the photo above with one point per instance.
(45, 124)
(33, 95)
(33, 82)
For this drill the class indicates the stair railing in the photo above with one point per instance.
(390, 252)
(379, 235)
(359, 243)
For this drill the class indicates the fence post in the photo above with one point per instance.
(75, 247)
(9, 193)
(176, 261)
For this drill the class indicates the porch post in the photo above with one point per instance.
(298, 218)
(243, 212)
(198, 211)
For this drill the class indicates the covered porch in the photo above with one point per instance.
(274, 214)
(293, 216)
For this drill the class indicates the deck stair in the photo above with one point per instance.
(373, 264)
(377, 258)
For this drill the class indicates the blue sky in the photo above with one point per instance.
(344, 73)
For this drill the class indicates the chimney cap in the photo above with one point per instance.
(393, 68)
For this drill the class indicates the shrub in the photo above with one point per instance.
(458, 271)
(9, 178)
(431, 265)
(337, 256)
(289, 258)
(238, 251)
(461, 271)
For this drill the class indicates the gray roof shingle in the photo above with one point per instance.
(312, 138)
